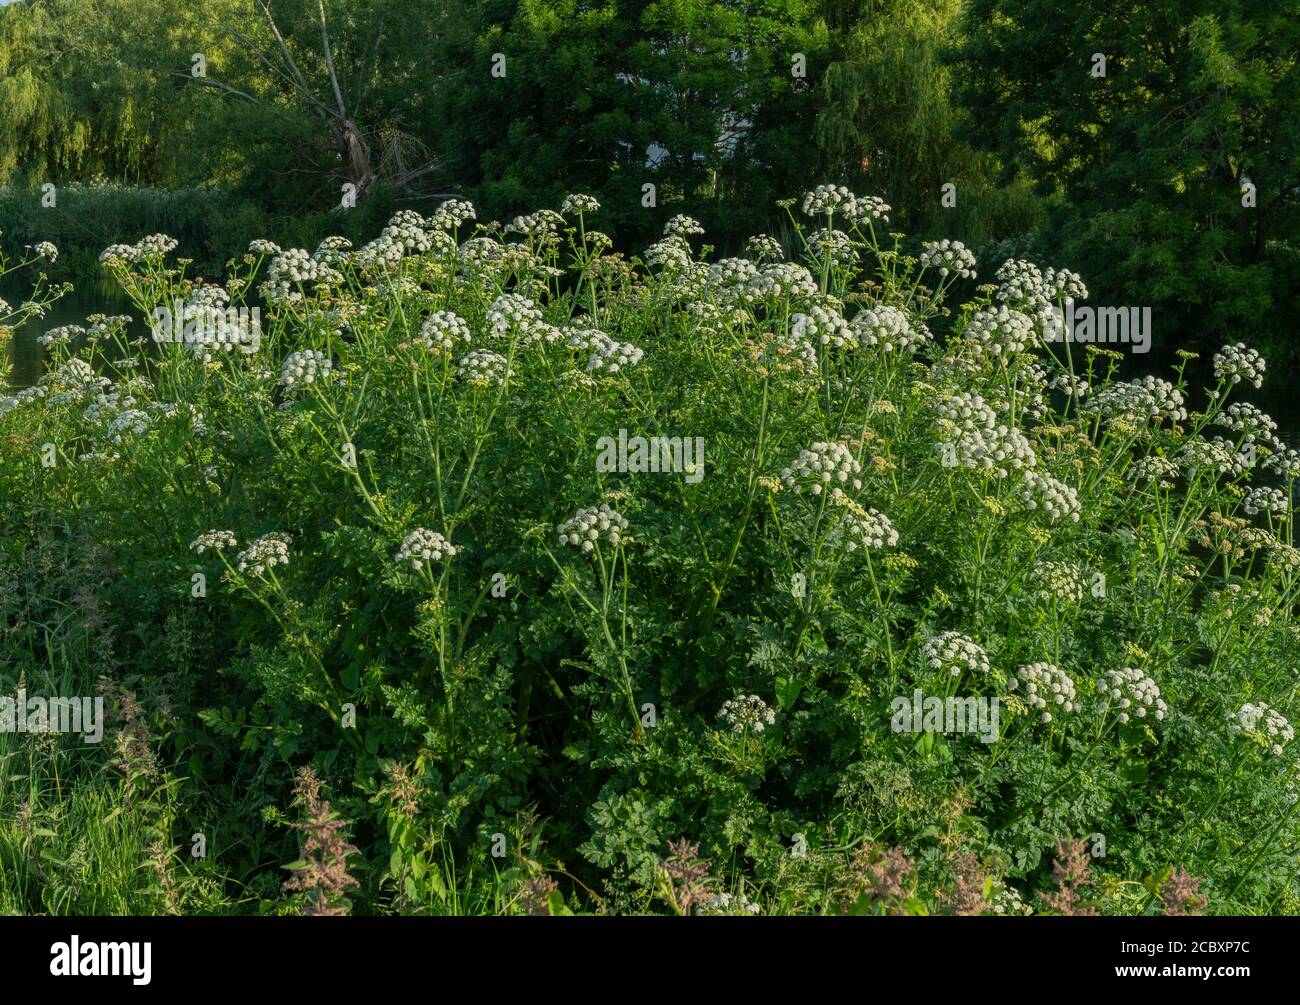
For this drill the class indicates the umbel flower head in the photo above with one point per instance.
(611, 357)
(1053, 498)
(307, 366)
(482, 367)
(1270, 725)
(954, 654)
(264, 554)
(826, 199)
(1046, 687)
(948, 257)
(747, 712)
(888, 328)
(511, 312)
(1059, 581)
(213, 540)
(591, 525)
(868, 529)
(1132, 692)
(579, 204)
(1265, 499)
(421, 547)
(442, 330)
(1238, 362)
(823, 326)
(823, 467)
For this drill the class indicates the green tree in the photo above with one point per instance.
(1158, 159)
(696, 97)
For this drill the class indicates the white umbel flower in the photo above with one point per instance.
(1133, 693)
(307, 366)
(953, 653)
(823, 467)
(213, 540)
(591, 525)
(421, 547)
(747, 712)
(1046, 688)
(1270, 725)
(949, 257)
(1238, 362)
(264, 554)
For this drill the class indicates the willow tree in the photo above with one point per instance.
(70, 105)
(888, 123)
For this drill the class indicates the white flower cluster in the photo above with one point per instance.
(954, 654)
(422, 546)
(982, 443)
(578, 203)
(948, 257)
(728, 280)
(304, 367)
(128, 423)
(1215, 456)
(1132, 692)
(1059, 580)
(747, 712)
(1046, 686)
(294, 266)
(482, 367)
(1237, 363)
(1054, 498)
(61, 337)
(1257, 717)
(1002, 331)
(10, 402)
(1265, 499)
(589, 526)
(763, 247)
(260, 246)
(1153, 470)
(781, 280)
(1285, 462)
(1243, 455)
(452, 213)
(1243, 417)
(264, 554)
(729, 905)
(868, 529)
(406, 230)
(511, 312)
(443, 329)
(543, 223)
(826, 199)
(823, 466)
(868, 208)
(147, 249)
(672, 254)
(682, 226)
(1146, 399)
(823, 326)
(47, 251)
(612, 356)
(888, 328)
(1026, 284)
(213, 540)
(835, 247)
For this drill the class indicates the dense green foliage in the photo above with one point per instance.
(334, 546)
(1198, 106)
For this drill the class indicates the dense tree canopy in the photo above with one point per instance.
(1178, 166)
